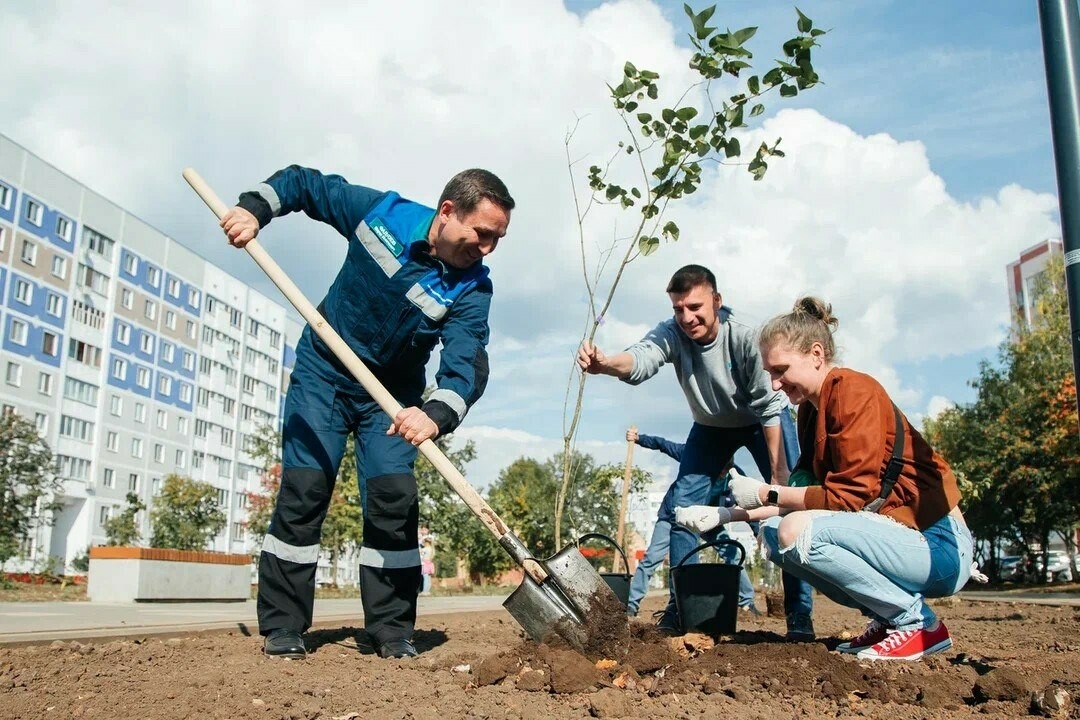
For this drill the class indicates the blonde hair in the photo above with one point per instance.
(810, 321)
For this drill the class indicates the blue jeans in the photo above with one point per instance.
(874, 564)
(708, 450)
(654, 558)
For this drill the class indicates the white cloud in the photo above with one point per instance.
(402, 95)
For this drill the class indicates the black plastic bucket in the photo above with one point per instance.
(707, 594)
(618, 582)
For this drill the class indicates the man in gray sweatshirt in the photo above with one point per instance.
(719, 368)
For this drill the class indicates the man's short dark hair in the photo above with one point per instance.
(469, 187)
(689, 277)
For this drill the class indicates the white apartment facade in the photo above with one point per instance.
(135, 357)
(1023, 274)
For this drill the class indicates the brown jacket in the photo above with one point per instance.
(852, 432)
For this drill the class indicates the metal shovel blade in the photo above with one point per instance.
(573, 603)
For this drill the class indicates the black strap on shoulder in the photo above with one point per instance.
(892, 470)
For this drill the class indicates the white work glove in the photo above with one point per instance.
(702, 518)
(745, 491)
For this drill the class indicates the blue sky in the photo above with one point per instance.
(915, 173)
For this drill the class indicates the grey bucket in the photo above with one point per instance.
(707, 594)
(618, 582)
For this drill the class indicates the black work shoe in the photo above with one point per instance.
(398, 649)
(285, 643)
(668, 622)
(800, 627)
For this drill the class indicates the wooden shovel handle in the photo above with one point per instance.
(360, 371)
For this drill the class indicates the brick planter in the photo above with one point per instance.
(134, 574)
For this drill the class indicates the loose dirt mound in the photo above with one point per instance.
(480, 665)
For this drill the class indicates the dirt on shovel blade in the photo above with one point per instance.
(606, 628)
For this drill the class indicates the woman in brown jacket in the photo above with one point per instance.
(871, 516)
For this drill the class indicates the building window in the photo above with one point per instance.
(155, 487)
(59, 268)
(185, 393)
(133, 482)
(142, 377)
(49, 343)
(131, 264)
(63, 228)
(127, 298)
(153, 276)
(84, 352)
(24, 292)
(17, 331)
(168, 352)
(112, 441)
(103, 514)
(162, 419)
(14, 374)
(235, 317)
(108, 478)
(275, 339)
(189, 361)
(45, 383)
(150, 309)
(136, 447)
(174, 287)
(140, 412)
(146, 343)
(159, 453)
(253, 327)
(28, 254)
(182, 425)
(123, 333)
(98, 243)
(164, 385)
(116, 404)
(80, 391)
(180, 459)
(3, 238)
(41, 422)
(53, 304)
(90, 278)
(193, 297)
(170, 319)
(239, 531)
(5, 196)
(192, 331)
(34, 212)
(119, 371)
(76, 429)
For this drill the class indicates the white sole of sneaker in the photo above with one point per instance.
(940, 647)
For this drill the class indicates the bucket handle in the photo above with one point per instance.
(610, 541)
(716, 544)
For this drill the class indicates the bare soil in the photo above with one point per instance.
(479, 665)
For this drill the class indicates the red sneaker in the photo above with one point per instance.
(909, 644)
(874, 633)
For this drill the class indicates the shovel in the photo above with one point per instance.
(561, 596)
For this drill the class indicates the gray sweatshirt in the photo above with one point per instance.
(724, 381)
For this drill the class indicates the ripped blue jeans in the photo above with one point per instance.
(874, 564)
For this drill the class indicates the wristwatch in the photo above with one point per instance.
(773, 496)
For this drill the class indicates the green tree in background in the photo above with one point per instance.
(1016, 447)
(28, 484)
(186, 515)
(123, 529)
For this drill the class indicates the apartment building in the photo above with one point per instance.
(135, 357)
(1022, 275)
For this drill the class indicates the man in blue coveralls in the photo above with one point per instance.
(413, 276)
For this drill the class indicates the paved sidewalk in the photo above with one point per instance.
(1023, 596)
(37, 622)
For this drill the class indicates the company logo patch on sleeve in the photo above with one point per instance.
(386, 237)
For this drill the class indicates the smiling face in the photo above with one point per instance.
(798, 374)
(697, 313)
(462, 239)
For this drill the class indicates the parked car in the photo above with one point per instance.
(1057, 566)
